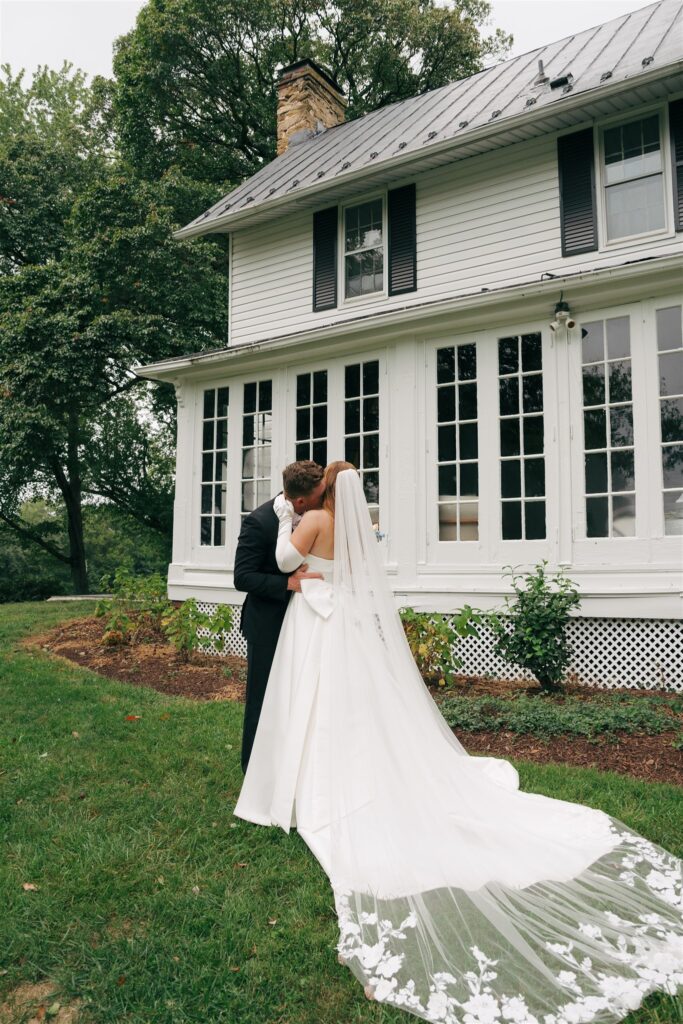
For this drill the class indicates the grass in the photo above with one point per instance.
(154, 905)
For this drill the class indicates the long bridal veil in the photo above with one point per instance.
(461, 898)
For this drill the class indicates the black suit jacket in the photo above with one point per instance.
(256, 571)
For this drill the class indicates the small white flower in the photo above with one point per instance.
(658, 880)
(576, 1013)
(368, 918)
(515, 1009)
(371, 955)
(383, 989)
(568, 978)
(614, 918)
(591, 930)
(437, 1007)
(622, 990)
(389, 967)
(481, 1009)
(557, 947)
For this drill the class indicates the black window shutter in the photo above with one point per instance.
(676, 129)
(325, 259)
(578, 216)
(402, 255)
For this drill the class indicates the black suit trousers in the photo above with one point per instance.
(259, 660)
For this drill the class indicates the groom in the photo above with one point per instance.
(268, 589)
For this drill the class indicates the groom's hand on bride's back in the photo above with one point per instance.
(302, 573)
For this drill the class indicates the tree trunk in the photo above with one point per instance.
(70, 485)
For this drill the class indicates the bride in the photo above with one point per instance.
(460, 898)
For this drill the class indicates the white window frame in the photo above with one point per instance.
(602, 552)
(668, 547)
(353, 300)
(199, 454)
(312, 366)
(668, 231)
(490, 550)
(335, 419)
(221, 558)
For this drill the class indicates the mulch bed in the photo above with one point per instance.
(206, 677)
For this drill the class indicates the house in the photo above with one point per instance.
(475, 296)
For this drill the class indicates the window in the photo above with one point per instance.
(457, 445)
(257, 428)
(363, 249)
(214, 466)
(311, 416)
(522, 464)
(609, 472)
(670, 356)
(361, 427)
(633, 178)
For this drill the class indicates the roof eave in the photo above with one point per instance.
(229, 221)
(665, 270)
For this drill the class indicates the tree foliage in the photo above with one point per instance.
(92, 284)
(196, 80)
(93, 181)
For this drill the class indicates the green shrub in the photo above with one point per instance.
(433, 639)
(182, 624)
(136, 609)
(573, 716)
(140, 610)
(532, 631)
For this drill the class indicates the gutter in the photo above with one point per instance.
(227, 221)
(172, 369)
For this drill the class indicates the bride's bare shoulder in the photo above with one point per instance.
(317, 516)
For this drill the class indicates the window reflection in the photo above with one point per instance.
(214, 463)
(361, 427)
(363, 249)
(669, 326)
(257, 430)
(522, 466)
(457, 463)
(311, 416)
(609, 473)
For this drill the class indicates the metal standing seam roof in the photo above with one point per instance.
(634, 46)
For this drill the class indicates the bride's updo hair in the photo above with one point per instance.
(331, 473)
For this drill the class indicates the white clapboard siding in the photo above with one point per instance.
(488, 222)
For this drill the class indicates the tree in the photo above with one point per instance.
(196, 80)
(92, 284)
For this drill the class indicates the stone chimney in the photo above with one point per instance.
(308, 101)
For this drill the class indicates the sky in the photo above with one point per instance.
(34, 32)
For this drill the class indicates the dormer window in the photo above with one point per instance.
(364, 249)
(633, 178)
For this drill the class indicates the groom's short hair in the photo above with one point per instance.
(300, 478)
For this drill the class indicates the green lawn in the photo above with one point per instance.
(143, 909)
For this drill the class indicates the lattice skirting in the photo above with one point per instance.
(639, 653)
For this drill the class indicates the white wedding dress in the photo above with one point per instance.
(460, 898)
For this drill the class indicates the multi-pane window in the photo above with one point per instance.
(522, 463)
(670, 356)
(311, 416)
(361, 427)
(633, 178)
(457, 447)
(257, 429)
(608, 429)
(363, 249)
(214, 465)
